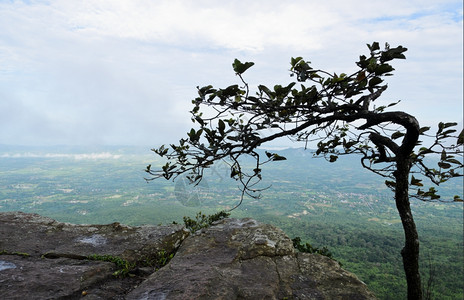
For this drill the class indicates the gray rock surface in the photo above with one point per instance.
(233, 259)
(243, 259)
(45, 259)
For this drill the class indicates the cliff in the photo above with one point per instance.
(233, 259)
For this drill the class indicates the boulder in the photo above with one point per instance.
(46, 259)
(243, 259)
(232, 259)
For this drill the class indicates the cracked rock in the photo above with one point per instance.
(233, 259)
(243, 259)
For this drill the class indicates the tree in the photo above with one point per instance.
(337, 112)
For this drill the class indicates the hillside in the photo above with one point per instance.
(340, 206)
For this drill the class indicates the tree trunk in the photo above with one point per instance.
(410, 252)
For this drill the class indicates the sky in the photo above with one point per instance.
(109, 72)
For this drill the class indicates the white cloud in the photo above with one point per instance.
(109, 72)
(241, 25)
(83, 156)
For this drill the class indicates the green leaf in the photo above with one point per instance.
(393, 53)
(295, 61)
(199, 120)
(161, 151)
(361, 76)
(362, 63)
(432, 193)
(348, 145)
(453, 161)
(375, 81)
(423, 129)
(240, 67)
(424, 150)
(231, 90)
(191, 134)
(443, 155)
(444, 165)
(394, 103)
(382, 69)
(333, 158)
(451, 124)
(442, 126)
(205, 90)
(276, 157)
(198, 134)
(266, 90)
(397, 135)
(268, 154)
(234, 173)
(391, 184)
(416, 182)
(448, 132)
(461, 138)
(457, 199)
(221, 126)
(375, 46)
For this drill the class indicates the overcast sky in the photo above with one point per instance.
(115, 72)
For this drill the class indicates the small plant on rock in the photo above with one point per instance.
(124, 266)
(307, 248)
(203, 221)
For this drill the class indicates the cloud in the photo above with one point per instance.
(245, 25)
(124, 72)
(240, 25)
(83, 156)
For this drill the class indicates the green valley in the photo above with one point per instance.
(340, 206)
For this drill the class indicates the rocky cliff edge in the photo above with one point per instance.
(233, 259)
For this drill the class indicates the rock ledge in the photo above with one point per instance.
(233, 259)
